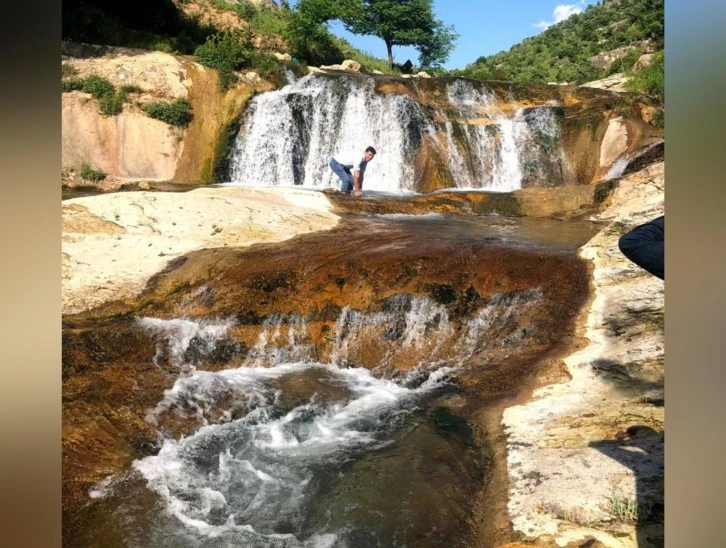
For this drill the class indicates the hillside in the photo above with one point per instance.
(182, 26)
(606, 38)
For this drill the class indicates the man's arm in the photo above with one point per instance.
(357, 182)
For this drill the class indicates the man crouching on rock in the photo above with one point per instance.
(342, 164)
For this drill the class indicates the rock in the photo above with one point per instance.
(156, 72)
(114, 243)
(376, 72)
(643, 61)
(566, 454)
(422, 74)
(252, 76)
(606, 58)
(144, 185)
(129, 145)
(314, 70)
(282, 56)
(406, 75)
(614, 82)
(331, 67)
(614, 142)
(349, 64)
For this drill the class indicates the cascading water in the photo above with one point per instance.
(289, 136)
(264, 447)
(506, 149)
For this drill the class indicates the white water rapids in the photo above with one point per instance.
(269, 435)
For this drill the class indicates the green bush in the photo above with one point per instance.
(97, 86)
(651, 79)
(112, 103)
(245, 9)
(90, 174)
(177, 113)
(266, 65)
(72, 84)
(130, 88)
(225, 52)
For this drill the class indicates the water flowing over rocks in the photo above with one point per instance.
(436, 133)
(441, 344)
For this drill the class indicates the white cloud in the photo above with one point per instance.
(560, 13)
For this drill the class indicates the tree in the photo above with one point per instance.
(400, 23)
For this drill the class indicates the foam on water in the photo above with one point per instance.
(252, 476)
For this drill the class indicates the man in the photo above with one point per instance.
(644, 245)
(342, 164)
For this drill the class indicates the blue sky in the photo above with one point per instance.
(484, 27)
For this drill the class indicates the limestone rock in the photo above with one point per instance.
(349, 64)
(161, 74)
(285, 57)
(144, 185)
(578, 444)
(422, 74)
(606, 58)
(376, 72)
(314, 70)
(614, 142)
(643, 61)
(614, 82)
(252, 76)
(130, 144)
(113, 243)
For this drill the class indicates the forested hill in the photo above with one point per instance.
(564, 52)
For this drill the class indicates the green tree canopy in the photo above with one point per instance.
(397, 22)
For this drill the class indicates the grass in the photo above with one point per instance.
(627, 510)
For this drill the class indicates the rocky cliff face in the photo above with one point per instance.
(131, 146)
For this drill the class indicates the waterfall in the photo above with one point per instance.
(506, 148)
(289, 135)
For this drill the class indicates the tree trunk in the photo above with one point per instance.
(389, 46)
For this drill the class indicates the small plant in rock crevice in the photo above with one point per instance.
(177, 113)
(90, 174)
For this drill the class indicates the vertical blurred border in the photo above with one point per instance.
(695, 260)
(30, 401)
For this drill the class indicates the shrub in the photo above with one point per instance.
(72, 84)
(97, 86)
(112, 103)
(267, 65)
(90, 174)
(177, 113)
(651, 79)
(224, 52)
(130, 88)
